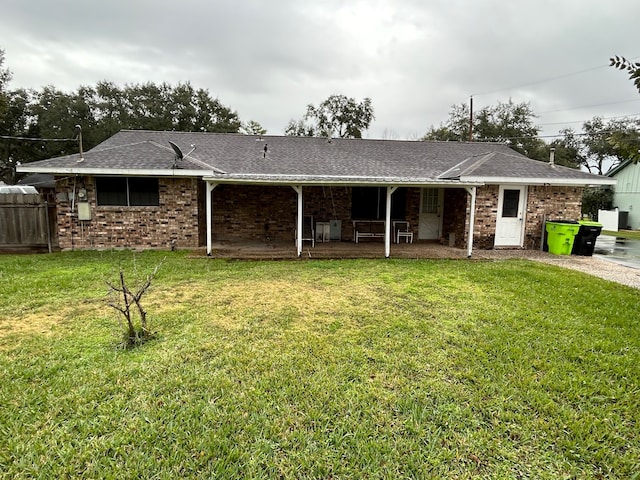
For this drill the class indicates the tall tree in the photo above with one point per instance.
(15, 123)
(337, 116)
(213, 116)
(5, 76)
(110, 105)
(510, 123)
(252, 128)
(147, 106)
(567, 149)
(633, 69)
(605, 144)
(300, 128)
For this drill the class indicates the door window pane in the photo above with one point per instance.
(430, 200)
(510, 201)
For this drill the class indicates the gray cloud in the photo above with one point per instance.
(267, 60)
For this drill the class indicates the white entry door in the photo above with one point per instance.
(511, 216)
(430, 220)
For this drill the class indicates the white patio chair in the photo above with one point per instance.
(402, 229)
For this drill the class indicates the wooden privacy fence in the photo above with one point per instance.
(25, 222)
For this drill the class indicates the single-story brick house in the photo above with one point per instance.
(136, 190)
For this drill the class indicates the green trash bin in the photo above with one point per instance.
(560, 236)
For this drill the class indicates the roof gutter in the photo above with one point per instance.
(129, 172)
(333, 180)
(560, 182)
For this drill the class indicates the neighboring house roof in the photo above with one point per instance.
(8, 189)
(236, 158)
(614, 171)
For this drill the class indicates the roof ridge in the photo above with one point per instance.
(111, 147)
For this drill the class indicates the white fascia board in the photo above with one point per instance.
(561, 182)
(129, 172)
(334, 180)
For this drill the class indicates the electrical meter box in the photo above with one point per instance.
(84, 211)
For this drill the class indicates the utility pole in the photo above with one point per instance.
(471, 118)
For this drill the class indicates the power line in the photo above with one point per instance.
(502, 139)
(34, 139)
(590, 106)
(549, 79)
(583, 121)
(545, 80)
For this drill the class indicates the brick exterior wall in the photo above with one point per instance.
(455, 214)
(552, 203)
(484, 229)
(269, 213)
(176, 218)
(542, 202)
(266, 213)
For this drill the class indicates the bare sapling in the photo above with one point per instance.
(127, 302)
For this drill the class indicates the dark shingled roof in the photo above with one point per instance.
(238, 157)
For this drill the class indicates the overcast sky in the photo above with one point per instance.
(269, 59)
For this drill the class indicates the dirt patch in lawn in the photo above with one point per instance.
(232, 305)
(34, 323)
(43, 320)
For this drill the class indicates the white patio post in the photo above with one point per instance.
(209, 189)
(387, 223)
(472, 219)
(298, 189)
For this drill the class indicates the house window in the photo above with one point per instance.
(370, 203)
(127, 191)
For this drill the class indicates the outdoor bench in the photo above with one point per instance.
(368, 229)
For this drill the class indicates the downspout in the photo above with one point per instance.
(210, 187)
(298, 189)
(472, 219)
(387, 223)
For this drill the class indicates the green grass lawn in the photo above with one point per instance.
(318, 369)
(635, 234)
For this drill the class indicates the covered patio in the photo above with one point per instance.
(382, 243)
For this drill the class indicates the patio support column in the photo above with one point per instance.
(387, 222)
(209, 189)
(472, 219)
(298, 189)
